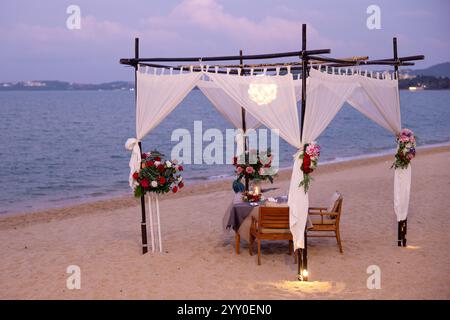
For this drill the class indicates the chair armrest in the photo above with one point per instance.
(322, 213)
(317, 208)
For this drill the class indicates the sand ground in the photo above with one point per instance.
(198, 262)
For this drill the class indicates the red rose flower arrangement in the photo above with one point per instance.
(310, 156)
(157, 175)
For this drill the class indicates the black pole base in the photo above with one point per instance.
(302, 255)
(302, 274)
(143, 226)
(144, 238)
(402, 230)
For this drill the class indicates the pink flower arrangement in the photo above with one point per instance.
(310, 156)
(406, 149)
(253, 165)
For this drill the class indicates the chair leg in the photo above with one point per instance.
(290, 247)
(238, 242)
(250, 245)
(338, 238)
(259, 252)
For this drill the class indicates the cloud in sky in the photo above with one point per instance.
(210, 17)
(36, 49)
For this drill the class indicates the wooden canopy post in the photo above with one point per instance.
(244, 124)
(302, 254)
(402, 225)
(143, 221)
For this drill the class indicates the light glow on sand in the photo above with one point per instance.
(413, 247)
(307, 287)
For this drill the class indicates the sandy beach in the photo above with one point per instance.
(198, 262)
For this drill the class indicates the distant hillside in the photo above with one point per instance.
(425, 82)
(434, 77)
(438, 70)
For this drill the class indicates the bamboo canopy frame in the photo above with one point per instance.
(307, 58)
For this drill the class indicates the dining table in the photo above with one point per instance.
(238, 215)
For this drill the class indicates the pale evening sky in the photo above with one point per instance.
(36, 44)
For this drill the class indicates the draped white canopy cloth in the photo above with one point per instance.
(377, 99)
(229, 108)
(157, 96)
(272, 101)
(226, 105)
(232, 110)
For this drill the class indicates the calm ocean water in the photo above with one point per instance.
(65, 147)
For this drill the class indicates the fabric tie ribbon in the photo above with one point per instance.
(297, 154)
(132, 145)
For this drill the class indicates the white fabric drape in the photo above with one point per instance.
(402, 189)
(298, 88)
(226, 105)
(157, 96)
(326, 95)
(378, 99)
(279, 113)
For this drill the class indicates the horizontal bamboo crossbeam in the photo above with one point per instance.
(266, 65)
(228, 58)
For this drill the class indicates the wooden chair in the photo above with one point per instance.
(328, 222)
(272, 224)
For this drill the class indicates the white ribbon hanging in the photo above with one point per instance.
(153, 203)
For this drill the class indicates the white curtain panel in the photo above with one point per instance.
(157, 96)
(226, 105)
(272, 100)
(298, 88)
(402, 189)
(378, 99)
(326, 95)
(361, 102)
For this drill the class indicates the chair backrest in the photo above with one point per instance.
(274, 217)
(334, 201)
(338, 209)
